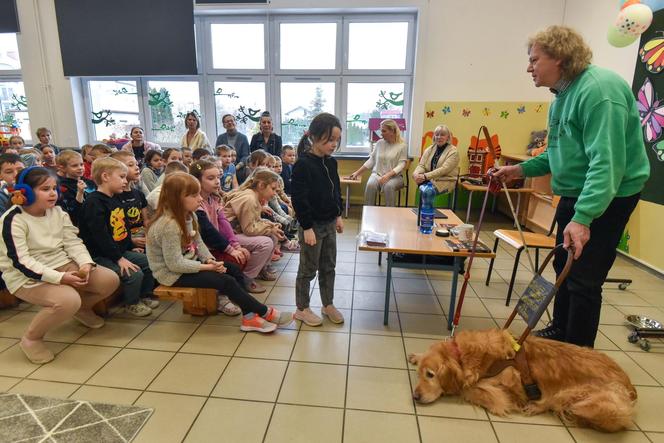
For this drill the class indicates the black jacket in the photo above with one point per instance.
(103, 226)
(67, 198)
(211, 237)
(315, 190)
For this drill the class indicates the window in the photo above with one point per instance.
(9, 60)
(377, 45)
(294, 66)
(244, 100)
(169, 102)
(114, 108)
(300, 102)
(370, 100)
(238, 45)
(307, 46)
(14, 118)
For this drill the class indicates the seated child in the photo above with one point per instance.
(243, 207)
(152, 170)
(16, 142)
(45, 137)
(288, 160)
(234, 156)
(200, 154)
(187, 156)
(228, 178)
(73, 187)
(153, 197)
(105, 232)
(44, 263)
(178, 256)
(86, 153)
(135, 205)
(170, 155)
(10, 165)
(30, 157)
(284, 199)
(253, 253)
(256, 159)
(48, 157)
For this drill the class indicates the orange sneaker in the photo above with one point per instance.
(279, 318)
(257, 323)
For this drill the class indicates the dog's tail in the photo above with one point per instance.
(606, 408)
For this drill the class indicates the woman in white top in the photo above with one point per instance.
(386, 161)
(194, 138)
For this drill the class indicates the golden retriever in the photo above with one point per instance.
(582, 386)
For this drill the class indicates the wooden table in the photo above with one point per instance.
(481, 188)
(400, 224)
(348, 182)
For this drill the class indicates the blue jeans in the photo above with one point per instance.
(138, 283)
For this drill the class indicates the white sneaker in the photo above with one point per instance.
(308, 316)
(226, 306)
(138, 310)
(150, 302)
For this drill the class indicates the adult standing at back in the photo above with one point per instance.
(598, 165)
(266, 140)
(194, 138)
(386, 161)
(233, 138)
(138, 145)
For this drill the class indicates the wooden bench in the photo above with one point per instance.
(7, 300)
(195, 301)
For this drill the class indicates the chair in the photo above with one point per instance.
(406, 181)
(533, 240)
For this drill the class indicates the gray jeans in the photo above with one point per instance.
(321, 257)
(390, 189)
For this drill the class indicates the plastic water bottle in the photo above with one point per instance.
(426, 213)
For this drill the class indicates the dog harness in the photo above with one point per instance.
(520, 363)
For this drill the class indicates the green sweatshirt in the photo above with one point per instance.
(595, 150)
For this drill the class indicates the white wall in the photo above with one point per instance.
(466, 50)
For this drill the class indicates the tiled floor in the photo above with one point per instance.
(210, 382)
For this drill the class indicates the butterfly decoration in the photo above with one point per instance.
(650, 111)
(430, 114)
(466, 112)
(486, 111)
(538, 108)
(504, 114)
(652, 54)
(521, 109)
(446, 110)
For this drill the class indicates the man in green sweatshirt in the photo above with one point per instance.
(598, 165)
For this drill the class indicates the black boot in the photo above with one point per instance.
(551, 332)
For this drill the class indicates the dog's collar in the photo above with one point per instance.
(454, 348)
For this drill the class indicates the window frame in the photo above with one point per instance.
(208, 63)
(211, 79)
(16, 76)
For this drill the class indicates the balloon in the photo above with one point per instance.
(618, 38)
(634, 19)
(628, 3)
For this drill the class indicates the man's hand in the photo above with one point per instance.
(340, 225)
(310, 237)
(508, 174)
(576, 235)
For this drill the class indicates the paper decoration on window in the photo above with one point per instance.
(247, 114)
(357, 118)
(124, 91)
(161, 98)
(18, 102)
(389, 98)
(220, 92)
(165, 127)
(103, 116)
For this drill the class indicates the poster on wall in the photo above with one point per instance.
(648, 87)
(510, 124)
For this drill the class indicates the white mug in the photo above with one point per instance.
(465, 232)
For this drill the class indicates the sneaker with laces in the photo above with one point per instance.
(256, 323)
(331, 312)
(551, 332)
(308, 317)
(89, 319)
(226, 306)
(267, 274)
(277, 317)
(138, 310)
(150, 302)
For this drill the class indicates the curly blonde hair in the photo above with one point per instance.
(564, 44)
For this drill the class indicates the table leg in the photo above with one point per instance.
(470, 202)
(347, 201)
(388, 287)
(455, 275)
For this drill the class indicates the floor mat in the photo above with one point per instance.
(33, 418)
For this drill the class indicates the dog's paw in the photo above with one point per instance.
(414, 358)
